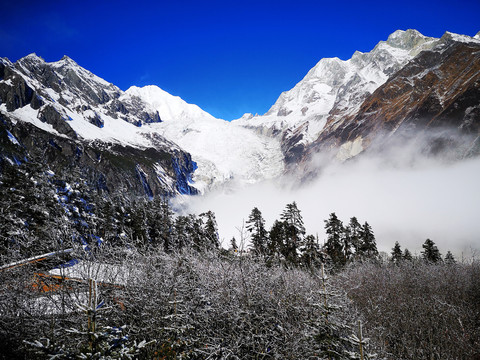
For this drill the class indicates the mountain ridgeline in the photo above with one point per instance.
(71, 120)
(409, 89)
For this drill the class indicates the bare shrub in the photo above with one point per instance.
(417, 310)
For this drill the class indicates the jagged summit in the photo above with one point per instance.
(334, 90)
(81, 120)
(405, 39)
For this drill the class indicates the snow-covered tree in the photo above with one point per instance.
(397, 255)
(368, 249)
(294, 232)
(334, 245)
(430, 252)
(258, 234)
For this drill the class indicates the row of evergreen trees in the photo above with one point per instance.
(429, 254)
(287, 241)
(39, 208)
(35, 204)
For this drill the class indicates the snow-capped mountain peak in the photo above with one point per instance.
(334, 88)
(170, 107)
(222, 150)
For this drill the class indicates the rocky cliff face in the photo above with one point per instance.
(435, 98)
(409, 81)
(69, 118)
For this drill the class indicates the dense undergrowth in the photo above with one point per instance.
(218, 305)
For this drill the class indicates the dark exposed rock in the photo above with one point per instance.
(438, 93)
(114, 165)
(62, 88)
(16, 95)
(51, 116)
(95, 119)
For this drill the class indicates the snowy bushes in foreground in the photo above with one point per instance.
(190, 306)
(418, 310)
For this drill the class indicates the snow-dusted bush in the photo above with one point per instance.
(235, 308)
(186, 305)
(418, 310)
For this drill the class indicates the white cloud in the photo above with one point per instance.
(404, 203)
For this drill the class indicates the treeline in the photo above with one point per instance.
(286, 242)
(38, 206)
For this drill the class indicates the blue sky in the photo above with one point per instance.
(227, 57)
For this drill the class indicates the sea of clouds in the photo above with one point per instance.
(404, 196)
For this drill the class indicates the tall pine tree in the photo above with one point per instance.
(430, 252)
(368, 248)
(335, 236)
(295, 232)
(397, 255)
(258, 233)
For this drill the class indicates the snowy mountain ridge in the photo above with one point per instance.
(223, 151)
(69, 102)
(84, 121)
(89, 108)
(335, 87)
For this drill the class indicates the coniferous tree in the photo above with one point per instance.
(180, 235)
(311, 254)
(137, 224)
(430, 252)
(195, 232)
(407, 255)
(160, 224)
(449, 258)
(334, 244)
(294, 232)
(258, 233)
(353, 240)
(397, 255)
(210, 230)
(368, 249)
(277, 237)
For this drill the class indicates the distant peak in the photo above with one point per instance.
(67, 59)
(405, 39)
(32, 56)
(449, 36)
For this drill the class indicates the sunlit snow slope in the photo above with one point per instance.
(222, 150)
(334, 89)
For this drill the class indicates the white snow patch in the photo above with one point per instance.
(350, 149)
(27, 114)
(7, 82)
(222, 150)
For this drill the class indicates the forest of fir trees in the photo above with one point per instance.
(171, 291)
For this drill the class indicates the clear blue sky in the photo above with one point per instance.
(228, 57)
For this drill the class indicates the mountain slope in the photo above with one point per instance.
(334, 91)
(223, 151)
(152, 142)
(81, 121)
(435, 98)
